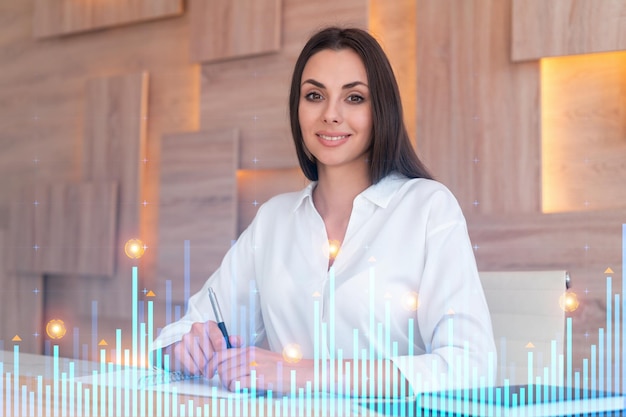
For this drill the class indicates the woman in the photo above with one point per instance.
(363, 282)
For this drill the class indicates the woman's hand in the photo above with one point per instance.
(195, 353)
(268, 370)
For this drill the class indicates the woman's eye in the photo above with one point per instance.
(313, 96)
(355, 98)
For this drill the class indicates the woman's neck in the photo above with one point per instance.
(336, 189)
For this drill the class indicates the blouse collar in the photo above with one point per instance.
(379, 194)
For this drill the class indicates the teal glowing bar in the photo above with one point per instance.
(331, 337)
(585, 377)
(127, 384)
(134, 316)
(24, 396)
(530, 375)
(79, 399)
(103, 383)
(616, 341)
(63, 392)
(609, 332)
(316, 349)
(372, 330)
(2, 387)
(150, 332)
(16, 376)
(601, 359)
(593, 369)
(72, 384)
(39, 393)
(55, 379)
(568, 352)
(48, 400)
(94, 403)
(624, 301)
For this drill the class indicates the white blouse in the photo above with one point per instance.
(404, 285)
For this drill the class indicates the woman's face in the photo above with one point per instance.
(335, 110)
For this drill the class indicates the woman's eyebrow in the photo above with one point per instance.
(345, 86)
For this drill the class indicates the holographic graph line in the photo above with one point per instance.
(57, 393)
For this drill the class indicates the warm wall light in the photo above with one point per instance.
(582, 131)
(55, 329)
(134, 248)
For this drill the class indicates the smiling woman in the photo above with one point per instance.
(335, 112)
(365, 281)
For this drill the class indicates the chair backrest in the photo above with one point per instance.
(527, 317)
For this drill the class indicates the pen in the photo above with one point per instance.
(218, 317)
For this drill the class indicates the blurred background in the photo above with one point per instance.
(145, 133)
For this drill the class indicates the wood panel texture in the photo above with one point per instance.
(251, 94)
(114, 141)
(62, 17)
(28, 229)
(478, 125)
(198, 206)
(566, 27)
(394, 24)
(64, 229)
(83, 229)
(255, 187)
(114, 149)
(226, 29)
(42, 129)
(584, 126)
(21, 306)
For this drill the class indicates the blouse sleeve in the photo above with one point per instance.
(452, 316)
(234, 286)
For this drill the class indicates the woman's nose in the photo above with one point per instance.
(332, 114)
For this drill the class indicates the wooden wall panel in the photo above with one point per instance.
(21, 305)
(251, 94)
(198, 203)
(61, 17)
(114, 150)
(394, 24)
(114, 141)
(42, 127)
(584, 126)
(225, 29)
(255, 187)
(29, 229)
(64, 229)
(82, 230)
(478, 125)
(566, 27)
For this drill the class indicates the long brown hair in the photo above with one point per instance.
(391, 148)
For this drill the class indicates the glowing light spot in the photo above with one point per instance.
(134, 248)
(569, 301)
(292, 353)
(333, 248)
(410, 301)
(103, 343)
(608, 270)
(530, 345)
(55, 329)
(253, 364)
(16, 338)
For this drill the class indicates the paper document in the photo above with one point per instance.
(159, 380)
